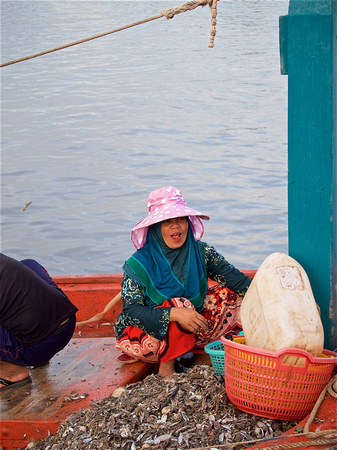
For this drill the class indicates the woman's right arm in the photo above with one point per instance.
(153, 321)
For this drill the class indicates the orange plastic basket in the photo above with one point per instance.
(259, 382)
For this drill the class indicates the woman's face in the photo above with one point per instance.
(174, 231)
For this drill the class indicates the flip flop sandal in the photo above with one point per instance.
(126, 359)
(11, 384)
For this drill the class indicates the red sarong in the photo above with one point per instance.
(221, 310)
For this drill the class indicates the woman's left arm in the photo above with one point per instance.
(224, 273)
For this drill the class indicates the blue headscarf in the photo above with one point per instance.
(168, 273)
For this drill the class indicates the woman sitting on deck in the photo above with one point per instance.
(167, 306)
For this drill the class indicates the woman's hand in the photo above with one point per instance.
(189, 319)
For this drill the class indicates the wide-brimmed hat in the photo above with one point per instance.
(167, 203)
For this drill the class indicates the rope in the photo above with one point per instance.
(168, 13)
(327, 437)
(332, 387)
(328, 440)
(189, 6)
(213, 23)
(329, 387)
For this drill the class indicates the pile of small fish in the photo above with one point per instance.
(189, 410)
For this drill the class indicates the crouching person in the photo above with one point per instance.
(37, 319)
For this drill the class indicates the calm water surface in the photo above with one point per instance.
(89, 131)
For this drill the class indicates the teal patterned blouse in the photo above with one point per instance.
(155, 321)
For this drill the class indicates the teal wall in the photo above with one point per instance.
(306, 50)
(334, 196)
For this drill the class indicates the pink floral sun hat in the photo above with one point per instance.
(167, 203)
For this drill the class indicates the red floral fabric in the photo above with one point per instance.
(221, 310)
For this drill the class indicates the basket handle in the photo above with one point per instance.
(298, 352)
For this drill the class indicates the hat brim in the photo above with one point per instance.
(139, 232)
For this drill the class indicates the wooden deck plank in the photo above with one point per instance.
(87, 366)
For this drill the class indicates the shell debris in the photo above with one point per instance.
(26, 205)
(191, 410)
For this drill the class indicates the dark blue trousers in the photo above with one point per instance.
(35, 355)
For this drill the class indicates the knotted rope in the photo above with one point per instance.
(168, 13)
(213, 23)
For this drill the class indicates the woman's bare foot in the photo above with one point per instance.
(12, 373)
(166, 369)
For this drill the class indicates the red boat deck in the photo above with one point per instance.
(87, 370)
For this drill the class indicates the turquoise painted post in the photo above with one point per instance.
(334, 196)
(308, 57)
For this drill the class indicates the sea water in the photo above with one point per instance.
(89, 131)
